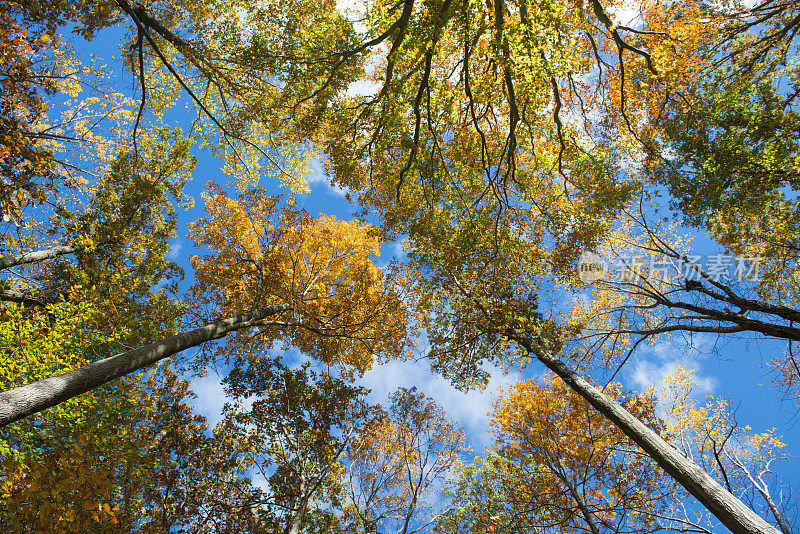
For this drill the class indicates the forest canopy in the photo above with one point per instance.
(540, 194)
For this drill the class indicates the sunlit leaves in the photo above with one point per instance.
(574, 464)
(342, 310)
(737, 166)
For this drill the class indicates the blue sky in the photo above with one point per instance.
(734, 368)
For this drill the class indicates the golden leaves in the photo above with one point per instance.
(707, 430)
(579, 466)
(342, 309)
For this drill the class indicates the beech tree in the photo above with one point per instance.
(340, 308)
(707, 431)
(308, 283)
(558, 464)
(521, 221)
(585, 473)
(130, 457)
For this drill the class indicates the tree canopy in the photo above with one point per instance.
(511, 147)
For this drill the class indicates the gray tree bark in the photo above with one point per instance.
(11, 295)
(12, 260)
(27, 400)
(732, 512)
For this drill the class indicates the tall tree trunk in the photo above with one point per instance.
(296, 520)
(12, 260)
(296, 516)
(732, 512)
(40, 395)
(11, 295)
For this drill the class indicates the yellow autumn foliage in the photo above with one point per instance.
(574, 461)
(341, 308)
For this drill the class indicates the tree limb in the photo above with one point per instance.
(27, 400)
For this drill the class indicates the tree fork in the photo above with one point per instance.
(27, 400)
(732, 512)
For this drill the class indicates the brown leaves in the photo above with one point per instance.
(62, 491)
(22, 91)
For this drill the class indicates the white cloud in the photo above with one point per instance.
(174, 251)
(469, 409)
(351, 7)
(210, 398)
(664, 358)
(259, 480)
(647, 374)
(318, 176)
(628, 14)
(399, 248)
(354, 11)
(362, 88)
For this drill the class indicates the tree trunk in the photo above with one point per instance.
(11, 295)
(587, 515)
(296, 520)
(296, 517)
(40, 395)
(734, 514)
(12, 260)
